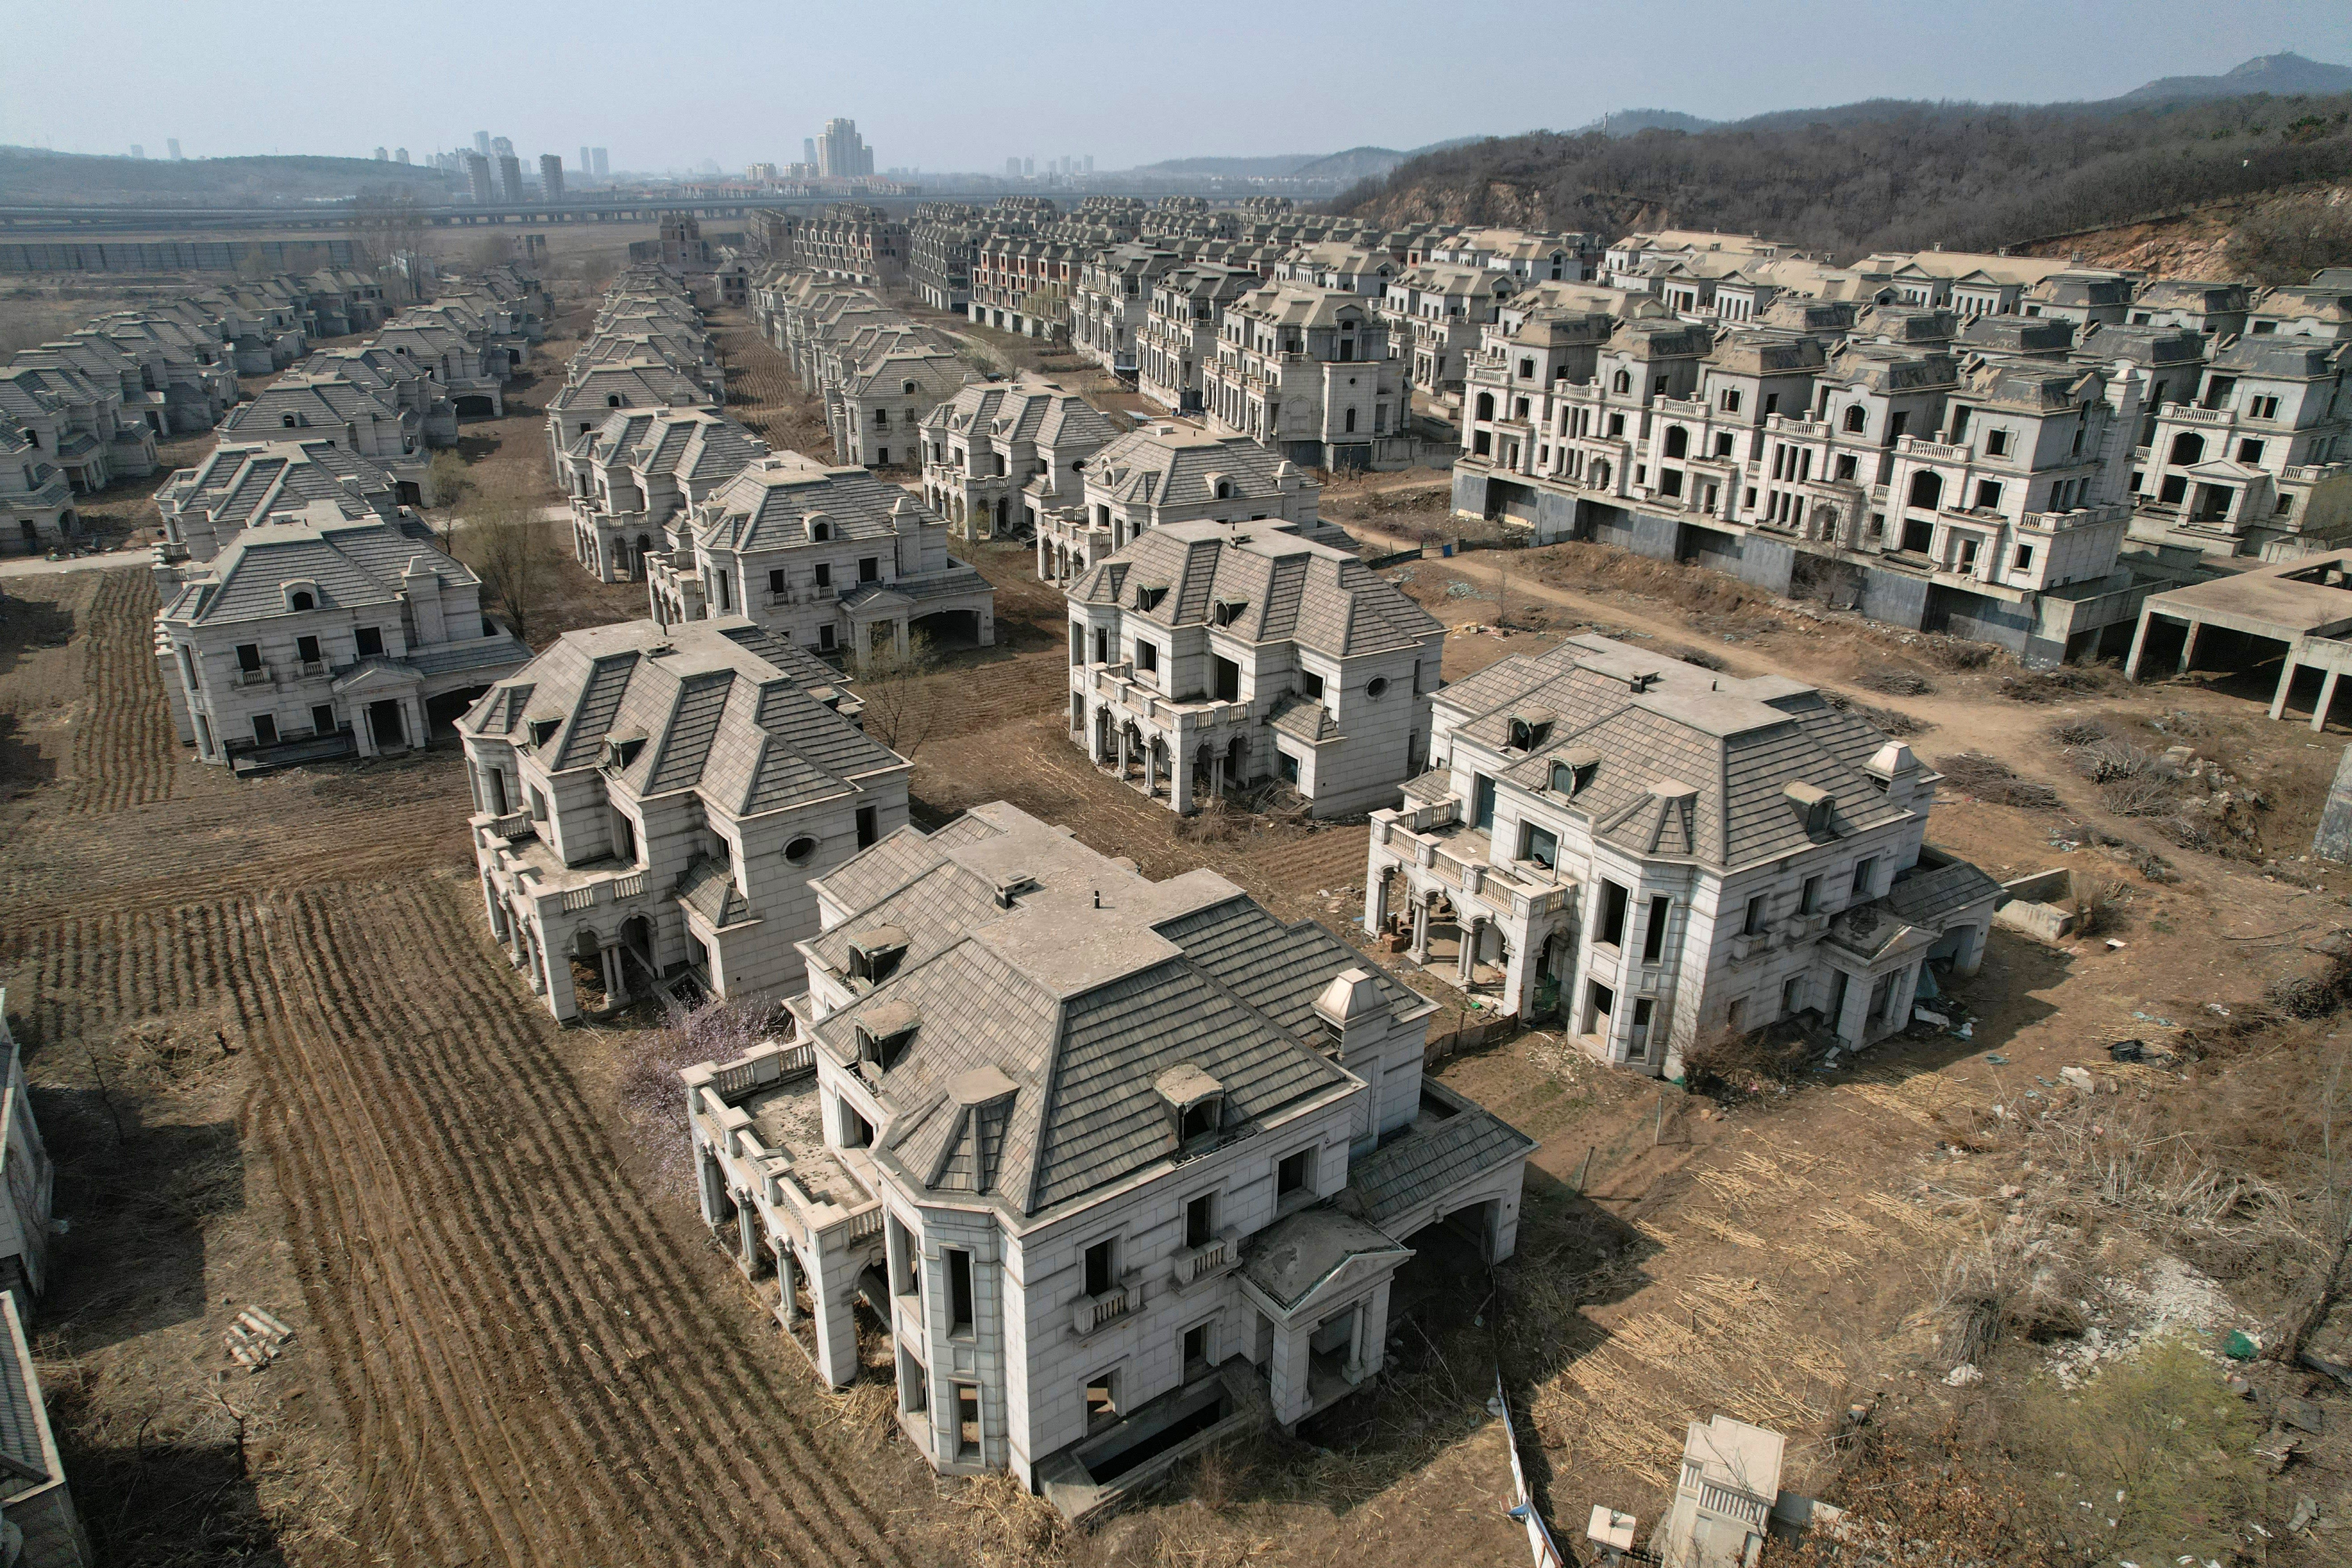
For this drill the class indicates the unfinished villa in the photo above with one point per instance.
(1653, 855)
(652, 805)
(313, 636)
(1118, 1168)
(1211, 657)
(1171, 471)
(833, 560)
(1000, 453)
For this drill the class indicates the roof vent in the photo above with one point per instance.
(1012, 885)
(1816, 807)
(1641, 681)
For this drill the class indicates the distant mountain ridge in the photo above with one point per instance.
(36, 175)
(2282, 75)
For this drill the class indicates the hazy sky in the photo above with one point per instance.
(964, 86)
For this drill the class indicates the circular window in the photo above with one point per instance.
(1378, 684)
(801, 851)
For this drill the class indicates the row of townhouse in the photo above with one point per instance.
(355, 424)
(845, 243)
(648, 350)
(81, 413)
(876, 372)
(943, 240)
(308, 613)
(2015, 478)
(1114, 1168)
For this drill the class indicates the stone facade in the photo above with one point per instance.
(1208, 1234)
(652, 803)
(1306, 373)
(1655, 854)
(830, 559)
(629, 481)
(1211, 657)
(1002, 453)
(313, 636)
(1171, 471)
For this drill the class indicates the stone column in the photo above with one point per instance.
(1853, 1019)
(1376, 898)
(747, 1235)
(1179, 783)
(1519, 974)
(712, 1186)
(788, 1269)
(2288, 670)
(2188, 645)
(1150, 767)
(1467, 961)
(1419, 951)
(2327, 701)
(833, 1293)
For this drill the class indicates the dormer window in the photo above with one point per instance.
(543, 731)
(1149, 594)
(1529, 730)
(1196, 1105)
(1817, 808)
(620, 751)
(885, 1032)
(1226, 611)
(1572, 774)
(876, 954)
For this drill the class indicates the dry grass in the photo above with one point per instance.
(2060, 685)
(1888, 720)
(1894, 683)
(1995, 783)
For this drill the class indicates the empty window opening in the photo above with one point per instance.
(959, 1264)
(1653, 939)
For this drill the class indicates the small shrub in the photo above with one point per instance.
(1889, 722)
(2016, 1281)
(2058, 685)
(1951, 653)
(2098, 906)
(1992, 781)
(2139, 794)
(1697, 655)
(1894, 683)
(2078, 732)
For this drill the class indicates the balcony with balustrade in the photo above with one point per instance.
(808, 1221)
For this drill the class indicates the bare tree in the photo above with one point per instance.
(894, 687)
(2331, 1220)
(500, 541)
(452, 483)
(385, 222)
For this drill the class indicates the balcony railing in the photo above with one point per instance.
(1090, 1313)
(515, 826)
(1195, 1264)
(256, 677)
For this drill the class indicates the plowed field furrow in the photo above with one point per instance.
(521, 1343)
(720, 1385)
(124, 753)
(458, 955)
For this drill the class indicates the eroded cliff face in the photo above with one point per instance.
(2196, 244)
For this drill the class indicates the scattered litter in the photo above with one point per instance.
(2217, 1007)
(2129, 1051)
(2306, 1510)
(1924, 1016)
(1997, 1059)
(2240, 1346)
(256, 1339)
(2114, 944)
(1965, 1031)
(1963, 1375)
(2078, 1078)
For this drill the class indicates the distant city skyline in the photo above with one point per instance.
(782, 73)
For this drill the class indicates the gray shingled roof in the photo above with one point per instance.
(1080, 1005)
(706, 711)
(1698, 764)
(353, 564)
(1287, 588)
(1429, 1160)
